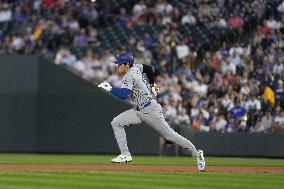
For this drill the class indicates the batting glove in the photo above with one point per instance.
(105, 85)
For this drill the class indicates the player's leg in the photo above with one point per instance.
(153, 116)
(118, 123)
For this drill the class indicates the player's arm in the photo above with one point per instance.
(126, 88)
(122, 93)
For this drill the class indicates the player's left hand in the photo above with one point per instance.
(155, 89)
(105, 85)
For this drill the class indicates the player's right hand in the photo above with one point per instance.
(105, 85)
(155, 89)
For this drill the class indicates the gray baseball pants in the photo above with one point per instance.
(153, 116)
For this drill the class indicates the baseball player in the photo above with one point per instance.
(145, 109)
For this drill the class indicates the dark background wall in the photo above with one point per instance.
(45, 108)
(18, 87)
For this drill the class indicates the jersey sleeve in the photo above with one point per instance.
(128, 81)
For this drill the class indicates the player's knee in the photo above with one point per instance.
(169, 137)
(115, 122)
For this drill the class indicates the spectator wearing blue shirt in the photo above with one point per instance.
(238, 112)
(18, 15)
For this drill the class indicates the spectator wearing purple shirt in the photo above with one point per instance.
(231, 126)
(81, 38)
(279, 94)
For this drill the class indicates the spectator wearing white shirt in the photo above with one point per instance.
(183, 118)
(188, 19)
(163, 7)
(237, 48)
(167, 18)
(220, 123)
(221, 22)
(280, 119)
(265, 124)
(280, 8)
(236, 60)
(170, 112)
(5, 13)
(226, 66)
(79, 67)
(278, 126)
(68, 59)
(18, 43)
(253, 104)
(278, 68)
(273, 24)
(227, 103)
(245, 89)
(139, 8)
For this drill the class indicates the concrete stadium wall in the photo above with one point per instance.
(236, 144)
(47, 109)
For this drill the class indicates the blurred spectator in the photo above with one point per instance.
(183, 118)
(236, 21)
(226, 70)
(238, 112)
(17, 43)
(273, 24)
(265, 124)
(81, 38)
(231, 125)
(279, 94)
(278, 126)
(139, 8)
(65, 58)
(5, 12)
(280, 7)
(220, 123)
(188, 19)
(268, 94)
(18, 15)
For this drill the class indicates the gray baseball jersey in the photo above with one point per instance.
(137, 83)
(139, 66)
(149, 111)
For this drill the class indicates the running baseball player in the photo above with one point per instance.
(145, 109)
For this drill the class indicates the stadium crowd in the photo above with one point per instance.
(237, 86)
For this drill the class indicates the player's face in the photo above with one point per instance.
(122, 68)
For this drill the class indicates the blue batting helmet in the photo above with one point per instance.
(124, 58)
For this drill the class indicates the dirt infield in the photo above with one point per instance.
(129, 167)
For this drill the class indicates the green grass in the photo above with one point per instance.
(136, 180)
(138, 160)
